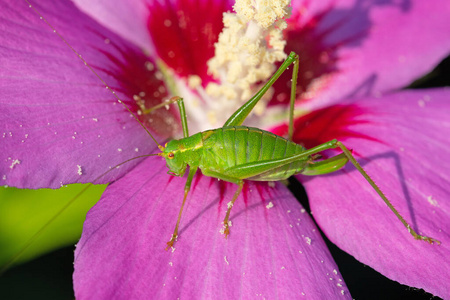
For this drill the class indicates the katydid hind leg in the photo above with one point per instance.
(241, 114)
(293, 96)
(383, 197)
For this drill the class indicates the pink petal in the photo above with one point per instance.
(184, 33)
(270, 253)
(360, 48)
(402, 142)
(58, 123)
(126, 18)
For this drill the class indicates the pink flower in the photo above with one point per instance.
(60, 125)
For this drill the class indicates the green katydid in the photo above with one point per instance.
(235, 153)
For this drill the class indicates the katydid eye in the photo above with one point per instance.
(170, 155)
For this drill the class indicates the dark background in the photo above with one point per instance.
(50, 276)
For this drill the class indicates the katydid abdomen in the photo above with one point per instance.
(228, 147)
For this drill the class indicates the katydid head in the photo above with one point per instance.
(174, 158)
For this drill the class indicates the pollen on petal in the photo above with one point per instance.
(14, 163)
(308, 240)
(432, 201)
(79, 170)
(194, 81)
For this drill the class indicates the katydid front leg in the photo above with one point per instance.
(187, 188)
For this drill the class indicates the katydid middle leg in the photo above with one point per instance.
(226, 224)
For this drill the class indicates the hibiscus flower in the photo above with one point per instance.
(60, 125)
